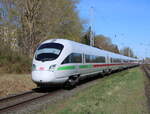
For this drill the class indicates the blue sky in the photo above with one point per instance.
(128, 20)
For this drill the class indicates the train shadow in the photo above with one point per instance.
(46, 89)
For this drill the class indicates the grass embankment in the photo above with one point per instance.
(15, 83)
(121, 93)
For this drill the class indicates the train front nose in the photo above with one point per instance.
(43, 76)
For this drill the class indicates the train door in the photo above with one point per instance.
(107, 62)
(83, 67)
(77, 69)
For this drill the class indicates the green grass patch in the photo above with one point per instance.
(120, 93)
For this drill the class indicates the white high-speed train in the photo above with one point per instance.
(60, 61)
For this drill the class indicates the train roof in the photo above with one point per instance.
(88, 48)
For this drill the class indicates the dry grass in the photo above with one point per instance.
(15, 83)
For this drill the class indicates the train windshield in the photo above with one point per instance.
(48, 51)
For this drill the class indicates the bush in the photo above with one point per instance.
(23, 66)
(13, 62)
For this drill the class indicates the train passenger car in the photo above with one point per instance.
(60, 61)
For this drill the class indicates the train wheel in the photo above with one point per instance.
(71, 82)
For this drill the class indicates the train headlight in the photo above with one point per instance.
(33, 67)
(52, 67)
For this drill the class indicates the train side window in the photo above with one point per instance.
(94, 59)
(73, 58)
(77, 58)
(101, 59)
(124, 61)
(116, 60)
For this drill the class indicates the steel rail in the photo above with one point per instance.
(14, 96)
(19, 104)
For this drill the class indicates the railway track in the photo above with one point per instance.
(15, 102)
(146, 69)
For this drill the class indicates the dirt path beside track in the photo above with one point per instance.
(146, 69)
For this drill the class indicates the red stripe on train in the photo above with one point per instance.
(103, 65)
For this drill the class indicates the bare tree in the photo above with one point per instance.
(105, 43)
(37, 20)
(127, 51)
